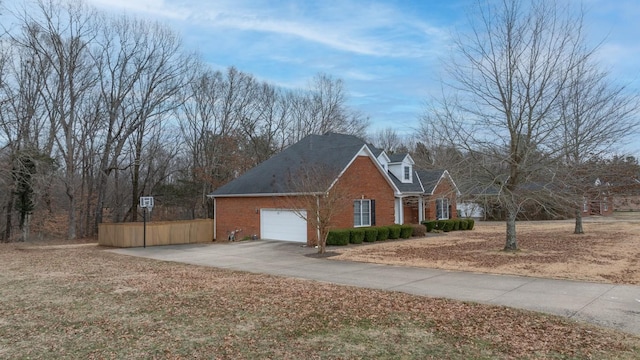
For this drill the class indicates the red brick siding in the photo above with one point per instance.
(244, 213)
(361, 180)
(444, 189)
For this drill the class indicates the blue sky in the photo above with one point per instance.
(387, 52)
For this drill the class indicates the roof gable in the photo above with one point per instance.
(430, 180)
(331, 153)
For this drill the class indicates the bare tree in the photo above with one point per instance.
(508, 75)
(58, 35)
(596, 116)
(323, 108)
(321, 199)
(166, 70)
(388, 140)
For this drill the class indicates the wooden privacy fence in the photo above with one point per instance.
(158, 233)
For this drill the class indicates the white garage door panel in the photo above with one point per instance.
(282, 225)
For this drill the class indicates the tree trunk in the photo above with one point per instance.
(511, 244)
(71, 231)
(7, 231)
(578, 228)
(26, 224)
(322, 246)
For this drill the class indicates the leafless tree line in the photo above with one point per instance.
(529, 106)
(98, 110)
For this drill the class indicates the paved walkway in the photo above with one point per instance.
(614, 306)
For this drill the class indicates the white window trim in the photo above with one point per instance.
(361, 201)
(445, 209)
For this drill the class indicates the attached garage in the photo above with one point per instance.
(286, 225)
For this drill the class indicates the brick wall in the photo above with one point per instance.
(361, 180)
(445, 189)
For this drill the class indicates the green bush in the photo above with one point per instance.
(470, 223)
(441, 224)
(406, 231)
(456, 224)
(383, 233)
(447, 225)
(370, 234)
(464, 224)
(418, 230)
(338, 237)
(356, 236)
(394, 231)
(430, 225)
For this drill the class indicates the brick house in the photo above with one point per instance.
(382, 190)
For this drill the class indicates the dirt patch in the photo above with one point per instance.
(609, 251)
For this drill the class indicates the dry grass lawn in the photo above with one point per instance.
(609, 251)
(83, 302)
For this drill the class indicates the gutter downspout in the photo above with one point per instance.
(318, 219)
(215, 218)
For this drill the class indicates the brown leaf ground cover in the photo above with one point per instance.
(83, 302)
(609, 251)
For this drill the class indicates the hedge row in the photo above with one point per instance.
(449, 225)
(370, 234)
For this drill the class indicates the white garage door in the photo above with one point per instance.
(282, 225)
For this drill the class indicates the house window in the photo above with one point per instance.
(585, 205)
(606, 204)
(442, 208)
(362, 213)
(407, 172)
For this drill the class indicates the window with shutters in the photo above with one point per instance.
(442, 208)
(362, 210)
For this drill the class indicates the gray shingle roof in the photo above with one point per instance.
(406, 187)
(429, 179)
(331, 152)
(396, 158)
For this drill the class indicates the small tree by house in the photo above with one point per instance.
(321, 199)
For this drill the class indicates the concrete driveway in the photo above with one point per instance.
(614, 306)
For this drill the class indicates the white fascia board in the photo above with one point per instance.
(415, 173)
(410, 159)
(445, 174)
(264, 195)
(367, 152)
(458, 193)
(386, 157)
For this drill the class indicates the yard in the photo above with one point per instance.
(79, 301)
(609, 251)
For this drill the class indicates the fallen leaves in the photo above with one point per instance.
(608, 252)
(87, 303)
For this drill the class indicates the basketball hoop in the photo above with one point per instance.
(146, 202)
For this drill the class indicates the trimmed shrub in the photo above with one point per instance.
(470, 223)
(418, 230)
(430, 225)
(338, 237)
(440, 224)
(356, 236)
(464, 224)
(394, 232)
(447, 225)
(383, 233)
(406, 231)
(370, 234)
(456, 224)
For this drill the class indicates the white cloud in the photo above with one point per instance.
(372, 29)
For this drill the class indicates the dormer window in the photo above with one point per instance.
(407, 173)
